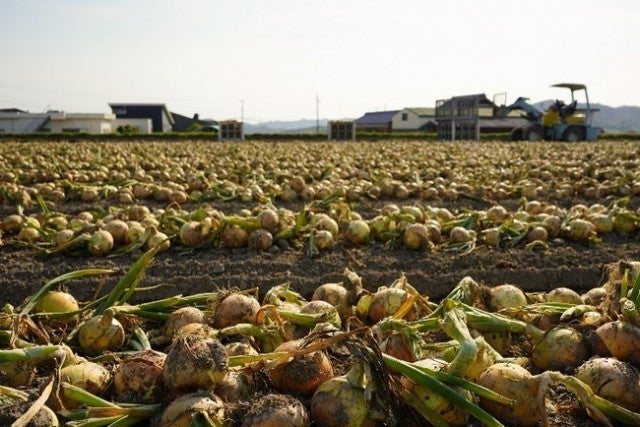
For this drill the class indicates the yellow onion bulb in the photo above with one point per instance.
(338, 402)
(100, 243)
(561, 348)
(506, 296)
(302, 374)
(515, 382)
(357, 232)
(182, 317)
(235, 308)
(89, 376)
(138, 378)
(260, 239)
(194, 363)
(58, 302)
(613, 380)
(101, 333)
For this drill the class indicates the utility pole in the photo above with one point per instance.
(242, 110)
(317, 115)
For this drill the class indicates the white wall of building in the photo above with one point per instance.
(80, 122)
(22, 122)
(408, 120)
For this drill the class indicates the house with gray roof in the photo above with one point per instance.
(380, 121)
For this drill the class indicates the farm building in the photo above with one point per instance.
(183, 123)
(161, 118)
(16, 121)
(465, 117)
(379, 121)
(414, 119)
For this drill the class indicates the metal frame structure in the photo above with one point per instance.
(341, 130)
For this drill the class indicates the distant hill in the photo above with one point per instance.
(295, 126)
(611, 119)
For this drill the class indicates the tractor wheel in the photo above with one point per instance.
(516, 134)
(573, 134)
(533, 133)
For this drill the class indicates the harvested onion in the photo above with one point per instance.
(195, 362)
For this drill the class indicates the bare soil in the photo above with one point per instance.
(434, 273)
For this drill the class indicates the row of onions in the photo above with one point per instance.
(484, 355)
(187, 172)
(317, 226)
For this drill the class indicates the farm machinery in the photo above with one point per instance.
(559, 122)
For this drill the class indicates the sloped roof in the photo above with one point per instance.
(422, 111)
(144, 104)
(376, 117)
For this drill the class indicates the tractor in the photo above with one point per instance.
(559, 122)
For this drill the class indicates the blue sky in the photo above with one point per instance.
(273, 57)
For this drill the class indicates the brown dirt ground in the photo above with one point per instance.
(563, 263)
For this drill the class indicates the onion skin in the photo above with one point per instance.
(260, 239)
(561, 348)
(182, 317)
(515, 382)
(613, 380)
(357, 232)
(138, 379)
(618, 339)
(235, 308)
(336, 295)
(451, 414)
(101, 243)
(386, 302)
(506, 296)
(194, 363)
(416, 237)
(276, 410)
(302, 374)
(339, 403)
(181, 411)
(57, 302)
(89, 376)
(101, 333)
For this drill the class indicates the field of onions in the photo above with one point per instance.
(326, 284)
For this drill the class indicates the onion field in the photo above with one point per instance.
(319, 283)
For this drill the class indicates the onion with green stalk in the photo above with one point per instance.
(100, 333)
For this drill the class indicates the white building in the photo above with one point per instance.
(414, 119)
(91, 123)
(16, 121)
